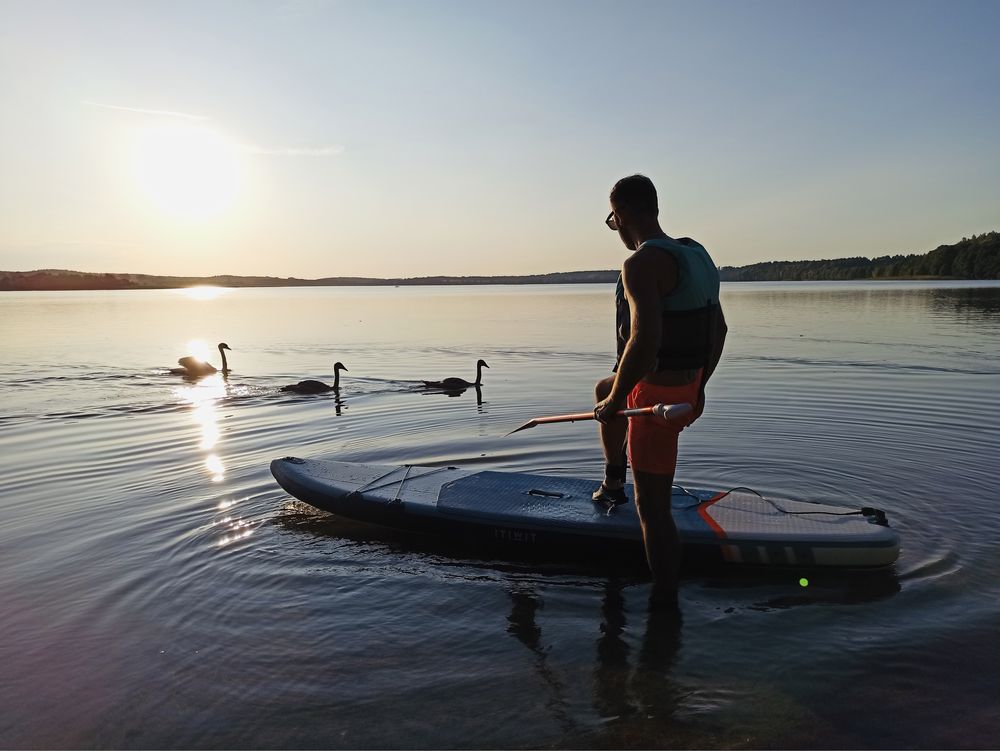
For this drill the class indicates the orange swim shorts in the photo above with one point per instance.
(652, 442)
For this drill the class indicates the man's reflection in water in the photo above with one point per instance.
(611, 669)
(655, 692)
(521, 624)
(620, 691)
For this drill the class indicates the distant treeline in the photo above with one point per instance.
(976, 257)
(60, 279)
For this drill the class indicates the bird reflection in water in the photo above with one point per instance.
(458, 392)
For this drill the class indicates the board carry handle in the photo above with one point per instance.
(546, 493)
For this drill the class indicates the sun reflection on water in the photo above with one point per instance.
(204, 414)
(215, 467)
(204, 292)
(237, 528)
(204, 397)
(228, 539)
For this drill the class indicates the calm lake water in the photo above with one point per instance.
(158, 588)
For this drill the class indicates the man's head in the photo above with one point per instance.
(634, 209)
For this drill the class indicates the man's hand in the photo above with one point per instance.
(607, 410)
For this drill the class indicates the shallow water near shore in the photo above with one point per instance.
(160, 590)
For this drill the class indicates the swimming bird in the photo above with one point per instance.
(317, 387)
(192, 366)
(458, 383)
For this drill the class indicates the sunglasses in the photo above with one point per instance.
(610, 221)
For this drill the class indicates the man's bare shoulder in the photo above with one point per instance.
(651, 264)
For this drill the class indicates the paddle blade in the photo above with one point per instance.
(554, 418)
(528, 424)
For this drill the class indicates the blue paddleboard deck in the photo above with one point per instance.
(512, 509)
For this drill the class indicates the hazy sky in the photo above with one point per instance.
(407, 138)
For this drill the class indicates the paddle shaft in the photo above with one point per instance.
(590, 415)
(668, 412)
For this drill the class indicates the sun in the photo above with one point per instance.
(188, 172)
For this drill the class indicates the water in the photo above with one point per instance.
(159, 590)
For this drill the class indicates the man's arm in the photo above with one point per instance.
(718, 342)
(639, 277)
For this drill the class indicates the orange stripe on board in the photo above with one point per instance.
(703, 513)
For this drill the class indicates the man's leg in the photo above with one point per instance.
(613, 437)
(659, 533)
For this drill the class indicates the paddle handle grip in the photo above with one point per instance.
(669, 412)
(672, 412)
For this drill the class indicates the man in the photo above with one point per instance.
(670, 332)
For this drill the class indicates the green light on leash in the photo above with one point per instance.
(803, 582)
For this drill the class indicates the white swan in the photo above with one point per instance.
(192, 366)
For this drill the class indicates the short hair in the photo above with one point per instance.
(635, 192)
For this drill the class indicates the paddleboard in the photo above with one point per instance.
(540, 512)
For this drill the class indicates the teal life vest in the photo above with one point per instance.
(689, 311)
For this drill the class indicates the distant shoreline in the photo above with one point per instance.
(976, 257)
(76, 282)
(54, 280)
